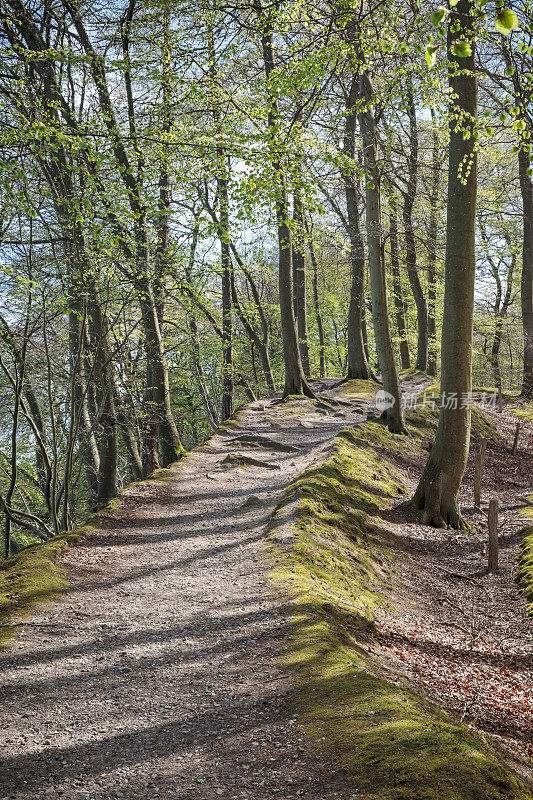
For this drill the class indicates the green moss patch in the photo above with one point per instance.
(31, 577)
(525, 571)
(524, 413)
(358, 389)
(331, 551)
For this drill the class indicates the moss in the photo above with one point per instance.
(525, 412)
(31, 577)
(359, 389)
(482, 426)
(393, 744)
(525, 570)
(163, 475)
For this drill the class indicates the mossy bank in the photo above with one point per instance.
(331, 551)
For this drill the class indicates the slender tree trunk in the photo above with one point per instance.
(397, 293)
(210, 409)
(295, 382)
(260, 345)
(227, 298)
(376, 260)
(437, 494)
(316, 300)
(410, 244)
(357, 361)
(224, 241)
(526, 294)
(108, 438)
(158, 383)
(432, 249)
(127, 432)
(495, 352)
(299, 284)
(162, 256)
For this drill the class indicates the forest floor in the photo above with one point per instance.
(157, 673)
(455, 632)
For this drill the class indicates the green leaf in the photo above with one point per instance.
(438, 16)
(506, 21)
(431, 55)
(462, 49)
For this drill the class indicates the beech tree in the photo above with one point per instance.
(437, 495)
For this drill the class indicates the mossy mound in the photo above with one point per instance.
(31, 577)
(395, 745)
(358, 389)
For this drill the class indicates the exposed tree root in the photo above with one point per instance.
(439, 508)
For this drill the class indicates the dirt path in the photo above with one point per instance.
(156, 674)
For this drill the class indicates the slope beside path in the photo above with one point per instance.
(156, 675)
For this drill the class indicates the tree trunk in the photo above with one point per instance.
(397, 293)
(224, 241)
(299, 284)
(410, 244)
(526, 188)
(316, 300)
(357, 366)
(376, 260)
(295, 382)
(162, 257)
(437, 495)
(227, 300)
(158, 383)
(107, 428)
(261, 345)
(432, 250)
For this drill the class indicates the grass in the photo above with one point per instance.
(394, 745)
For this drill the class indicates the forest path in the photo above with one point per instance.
(156, 675)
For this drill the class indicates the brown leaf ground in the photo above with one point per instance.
(459, 634)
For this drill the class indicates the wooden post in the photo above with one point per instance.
(493, 535)
(478, 472)
(516, 435)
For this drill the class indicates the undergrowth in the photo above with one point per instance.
(395, 745)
